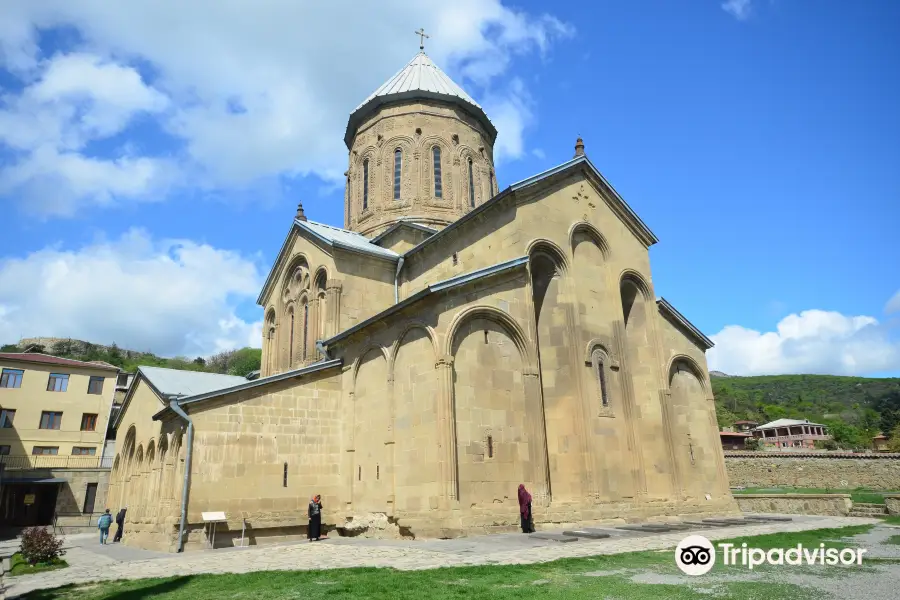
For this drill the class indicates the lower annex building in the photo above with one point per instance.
(449, 342)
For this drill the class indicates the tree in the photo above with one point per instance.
(200, 361)
(894, 441)
(751, 443)
(245, 361)
(9, 348)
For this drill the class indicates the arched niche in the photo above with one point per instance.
(371, 429)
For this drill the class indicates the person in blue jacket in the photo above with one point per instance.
(103, 524)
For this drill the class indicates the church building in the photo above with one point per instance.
(451, 341)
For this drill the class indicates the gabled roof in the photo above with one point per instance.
(174, 382)
(440, 286)
(681, 321)
(420, 78)
(403, 223)
(582, 163)
(321, 365)
(332, 237)
(787, 423)
(47, 359)
(168, 384)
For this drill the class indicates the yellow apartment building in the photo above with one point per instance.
(53, 420)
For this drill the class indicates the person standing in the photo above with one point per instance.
(525, 515)
(120, 523)
(314, 532)
(103, 524)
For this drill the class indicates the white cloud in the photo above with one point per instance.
(893, 305)
(252, 92)
(77, 99)
(171, 296)
(815, 341)
(739, 9)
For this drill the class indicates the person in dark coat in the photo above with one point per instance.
(525, 514)
(314, 532)
(120, 524)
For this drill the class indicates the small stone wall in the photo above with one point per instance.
(769, 469)
(796, 504)
(893, 504)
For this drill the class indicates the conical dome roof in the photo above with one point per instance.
(420, 78)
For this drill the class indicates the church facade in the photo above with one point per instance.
(449, 342)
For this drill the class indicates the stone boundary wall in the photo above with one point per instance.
(764, 469)
(893, 504)
(796, 504)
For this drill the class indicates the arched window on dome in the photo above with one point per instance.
(365, 184)
(438, 187)
(471, 185)
(398, 163)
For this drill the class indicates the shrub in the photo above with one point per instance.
(41, 546)
(751, 443)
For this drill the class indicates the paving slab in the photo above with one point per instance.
(767, 518)
(556, 537)
(644, 528)
(583, 533)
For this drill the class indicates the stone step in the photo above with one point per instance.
(647, 528)
(866, 513)
(761, 518)
(879, 510)
(584, 533)
(553, 537)
(867, 505)
(727, 520)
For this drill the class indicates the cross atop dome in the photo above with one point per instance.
(422, 35)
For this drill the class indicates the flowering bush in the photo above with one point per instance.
(40, 546)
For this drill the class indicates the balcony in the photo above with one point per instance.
(11, 462)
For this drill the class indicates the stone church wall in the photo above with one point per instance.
(261, 454)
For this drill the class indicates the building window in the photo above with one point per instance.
(291, 343)
(11, 378)
(88, 422)
(51, 420)
(490, 446)
(284, 478)
(84, 451)
(366, 184)
(4, 450)
(45, 450)
(6, 418)
(57, 382)
(359, 473)
(471, 185)
(90, 496)
(305, 327)
(599, 361)
(377, 471)
(398, 163)
(438, 188)
(122, 380)
(95, 385)
(491, 193)
(455, 259)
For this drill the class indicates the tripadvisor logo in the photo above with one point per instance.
(695, 555)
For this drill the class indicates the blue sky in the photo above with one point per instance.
(149, 168)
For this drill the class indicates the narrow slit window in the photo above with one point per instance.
(398, 163)
(471, 185)
(285, 474)
(305, 327)
(601, 380)
(359, 475)
(377, 471)
(485, 336)
(455, 259)
(438, 189)
(365, 185)
(291, 344)
(490, 447)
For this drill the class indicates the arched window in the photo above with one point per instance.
(438, 188)
(471, 186)
(305, 327)
(491, 192)
(365, 184)
(398, 163)
(599, 361)
(291, 346)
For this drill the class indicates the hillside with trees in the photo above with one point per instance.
(854, 408)
(233, 362)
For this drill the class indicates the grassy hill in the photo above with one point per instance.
(855, 408)
(234, 362)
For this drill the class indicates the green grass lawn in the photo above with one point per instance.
(572, 579)
(19, 566)
(857, 495)
(891, 520)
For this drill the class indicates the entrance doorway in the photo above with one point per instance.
(27, 504)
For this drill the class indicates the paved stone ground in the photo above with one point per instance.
(89, 561)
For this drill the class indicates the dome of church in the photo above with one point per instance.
(419, 79)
